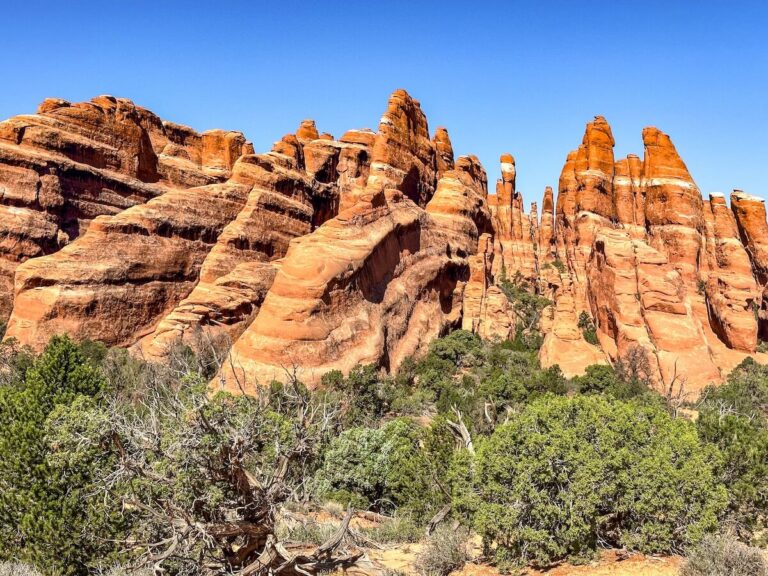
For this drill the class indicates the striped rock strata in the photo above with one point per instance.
(321, 254)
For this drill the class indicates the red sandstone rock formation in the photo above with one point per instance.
(749, 212)
(654, 265)
(69, 163)
(323, 253)
(384, 277)
(162, 272)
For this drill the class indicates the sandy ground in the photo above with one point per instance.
(401, 558)
(610, 564)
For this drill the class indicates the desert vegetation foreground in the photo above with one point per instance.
(472, 458)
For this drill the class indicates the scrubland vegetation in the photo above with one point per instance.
(107, 461)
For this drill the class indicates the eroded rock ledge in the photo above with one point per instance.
(324, 253)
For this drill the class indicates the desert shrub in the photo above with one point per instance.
(526, 341)
(461, 348)
(204, 474)
(441, 379)
(383, 469)
(360, 394)
(634, 370)
(517, 377)
(15, 360)
(353, 468)
(526, 304)
(569, 474)
(462, 480)
(444, 552)
(484, 379)
(597, 379)
(621, 384)
(309, 532)
(746, 390)
(725, 556)
(49, 515)
(588, 329)
(734, 417)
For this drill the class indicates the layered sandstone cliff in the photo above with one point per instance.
(321, 253)
(70, 163)
(650, 263)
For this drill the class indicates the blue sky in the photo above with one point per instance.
(514, 76)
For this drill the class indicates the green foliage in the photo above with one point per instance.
(569, 474)
(597, 379)
(603, 379)
(511, 378)
(746, 391)
(214, 461)
(588, 329)
(526, 304)
(559, 264)
(48, 514)
(97, 447)
(361, 394)
(384, 469)
(735, 418)
(482, 379)
(15, 360)
(460, 348)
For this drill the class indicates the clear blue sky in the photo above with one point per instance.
(522, 77)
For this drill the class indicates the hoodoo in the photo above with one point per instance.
(323, 254)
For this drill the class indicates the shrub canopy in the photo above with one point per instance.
(569, 474)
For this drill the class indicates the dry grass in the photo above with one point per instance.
(445, 551)
(725, 556)
(15, 569)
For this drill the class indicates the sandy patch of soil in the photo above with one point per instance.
(610, 564)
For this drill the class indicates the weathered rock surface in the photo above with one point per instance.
(321, 254)
(162, 273)
(69, 163)
(384, 277)
(653, 264)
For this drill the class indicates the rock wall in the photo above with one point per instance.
(651, 263)
(321, 253)
(384, 277)
(70, 163)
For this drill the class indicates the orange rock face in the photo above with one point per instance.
(384, 277)
(652, 264)
(322, 254)
(162, 273)
(69, 163)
